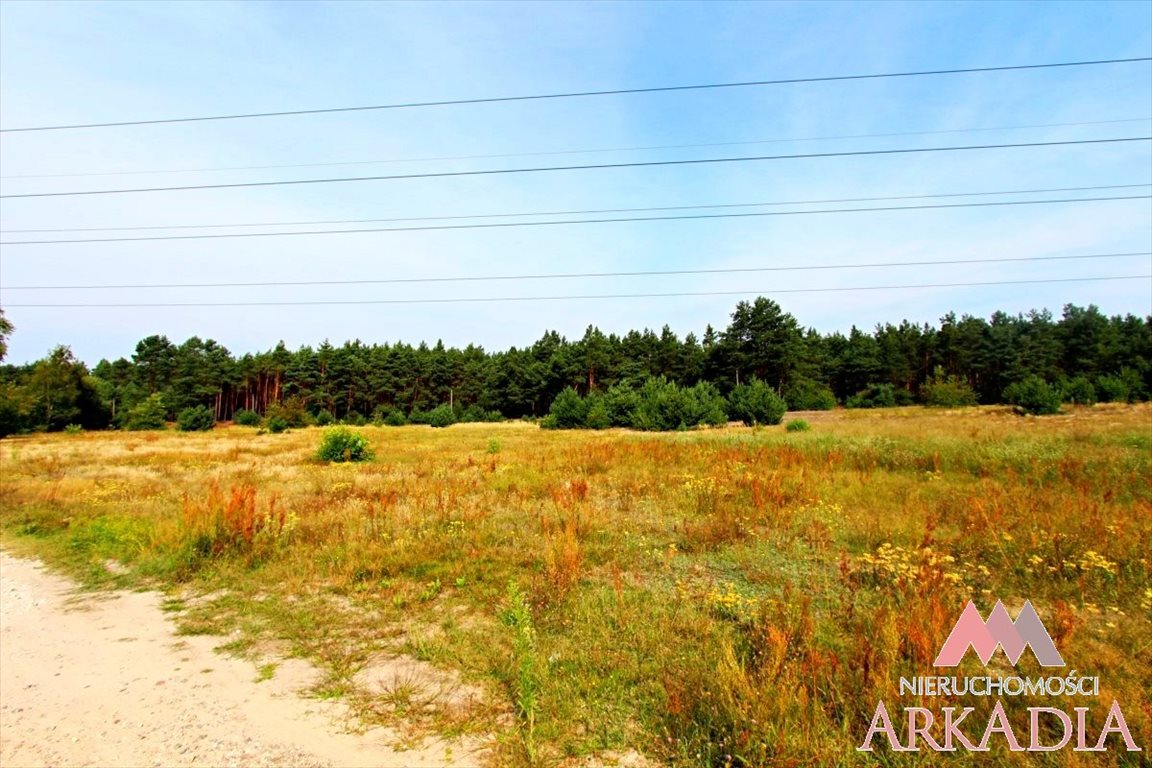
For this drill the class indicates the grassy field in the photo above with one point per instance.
(719, 597)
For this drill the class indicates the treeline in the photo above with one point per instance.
(961, 359)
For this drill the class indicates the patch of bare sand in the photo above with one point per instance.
(101, 680)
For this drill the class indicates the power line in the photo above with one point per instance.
(570, 275)
(583, 212)
(502, 299)
(510, 224)
(442, 158)
(600, 166)
(580, 94)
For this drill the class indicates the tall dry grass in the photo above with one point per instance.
(721, 597)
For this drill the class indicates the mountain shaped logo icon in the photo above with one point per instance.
(1000, 631)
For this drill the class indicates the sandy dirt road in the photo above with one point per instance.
(103, 680)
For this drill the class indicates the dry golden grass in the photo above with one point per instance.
(727, 596)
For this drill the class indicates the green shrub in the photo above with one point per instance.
(568, 411)
(442, 416)
(148, 414)
(621, 402)
(705, 405)
(797, 425)
(1033, 395)
(276, 424)
(73, 429)
(324, 418)
(292, 411)
(808, 395)
(944, 391)
(354, 418)
(1112, 389)
(874, 396)
(658, 405)
(342, 444)
(198, 418)
(389, 417)
(756, 403)
(1079, 391)
(476, 414)
(597, 417)
(664, 406)
(246, 418)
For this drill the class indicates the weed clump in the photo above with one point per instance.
(525, 674)
(797, 425)
(234, 523)
(342, 444)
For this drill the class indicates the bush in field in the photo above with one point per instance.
(341, 444)
(148, 414)
(73, 429)
(947, 391)
(476, 414)
(246, 418)
(1112, 389)
(1033, 395)
(620, 403)
(324, 418)
(198, 418)
(808, 395)
(797, 425)
(568, 411)
(874, 396)
(442, 416)
(353, 418)
(276, 424)
(664, 406)
(597, 417)
(1079, 391)
(389, 417)
(291, 411)
(657, 405)
(756, 403)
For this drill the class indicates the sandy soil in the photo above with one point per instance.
(103, 680)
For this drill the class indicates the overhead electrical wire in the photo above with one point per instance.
(569, 275)
(578, 94)
(505, 299)
(583, 211)
(442, 158)
(598, 166)
(563, 222)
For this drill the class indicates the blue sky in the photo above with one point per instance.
(92, 62)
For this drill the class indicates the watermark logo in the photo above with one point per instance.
(938, 729)
(984, 637)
